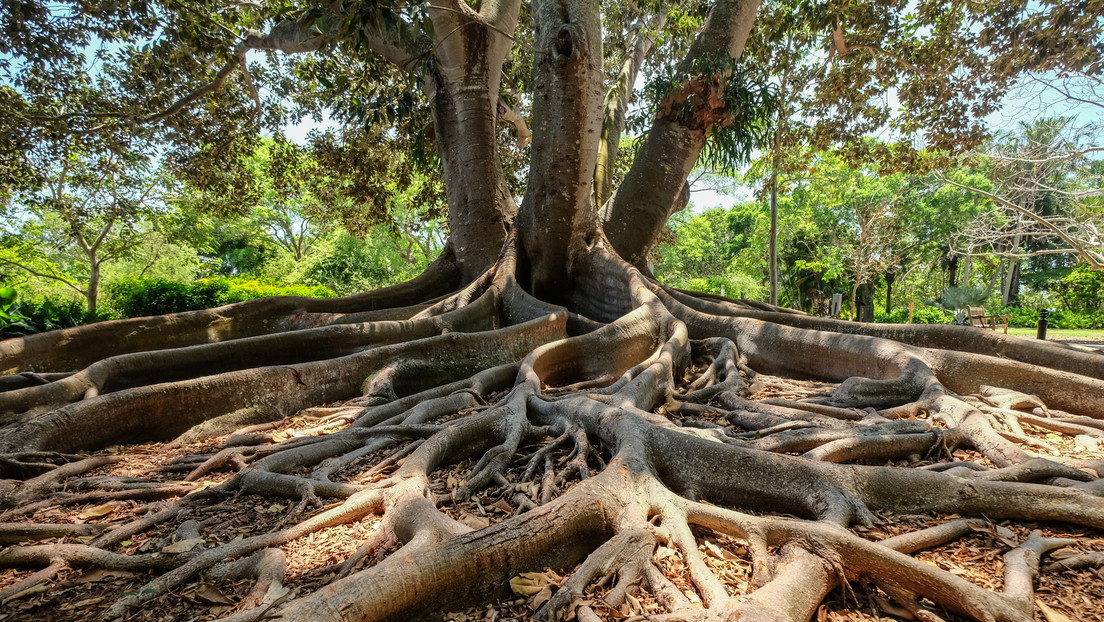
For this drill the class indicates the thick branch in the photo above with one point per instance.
(654, 186)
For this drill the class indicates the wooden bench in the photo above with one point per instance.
(979, 319)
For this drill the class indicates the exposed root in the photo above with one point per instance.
(583, 441)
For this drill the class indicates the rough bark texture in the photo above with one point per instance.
(599, 422)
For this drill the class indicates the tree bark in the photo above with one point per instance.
(92, 294)
(463, 95)
(557, 217)
(890, 277)
(772, 252)
(655, 183)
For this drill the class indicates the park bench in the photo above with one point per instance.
(979, 318)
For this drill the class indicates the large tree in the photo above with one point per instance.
(537, 351)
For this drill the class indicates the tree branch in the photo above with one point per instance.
(508, 113)
(1078, 246)
(52, 276)
(843, 48)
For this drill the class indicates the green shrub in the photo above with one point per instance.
(12, 320)
(38, 316)
(143, 297)
(1081, 290)
(1064, 318)
(921, 315)
(1021, 317)
(248, 289)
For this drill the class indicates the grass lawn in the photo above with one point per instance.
(1063, 334)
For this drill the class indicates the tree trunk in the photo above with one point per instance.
(92, 293)
(773, 250)
(866, 302)
(890, 277)
(655, 185)
(1013, 294)
(463, 96)
(557, 215)
(617, 103)
(1010, 269)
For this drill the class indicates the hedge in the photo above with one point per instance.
(143, 297)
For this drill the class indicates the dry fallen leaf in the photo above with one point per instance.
(38, 589)
(1064, 554)
(634, 604)
(202, 485)
(208, 593)
(475, 522)
(528, 583)
(1052, 615)
(663, 552)
(713, 549)
(100, 574)
(81, 603)
(540, 598)
(183, 546)
(96, 511)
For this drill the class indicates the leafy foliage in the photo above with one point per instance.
(730, 99)
(28, 317)
(1082, 289)
(955, 298)
(715, 249)
(144, 297)
(920, 315)
(348, 265)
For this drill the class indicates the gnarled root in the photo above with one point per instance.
(640, 442)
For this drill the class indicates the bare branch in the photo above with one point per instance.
(876, 51)
(1081, 246)
(508, 113)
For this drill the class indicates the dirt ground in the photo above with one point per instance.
(77, 594)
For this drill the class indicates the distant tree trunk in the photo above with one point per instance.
(1011, 275)
(890, 277)
(774, 239)
(616, 103)
(952, 271)
(866, 302)
(1013, 294)
(967, 270)
(92, 294)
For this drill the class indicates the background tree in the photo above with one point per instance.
(715, 252)
(536, 334)
(91, 206)
(1044, 199)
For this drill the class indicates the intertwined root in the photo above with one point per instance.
(661, 461)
